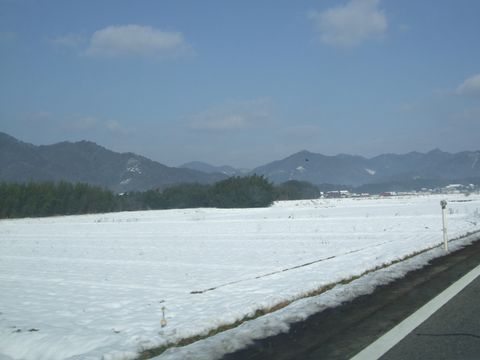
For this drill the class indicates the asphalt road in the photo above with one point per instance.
(342, 332)
(452, 332)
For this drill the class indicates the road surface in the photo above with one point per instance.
(343, 332)
(452, 332)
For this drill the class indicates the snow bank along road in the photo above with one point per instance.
(366, 323)
(93, 286)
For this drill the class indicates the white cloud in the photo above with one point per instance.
(78, 122)
(85, 122)
(470, 86)
(136, 40)
(233, 116)
(38, 116)
(69, 41)
(115, 127)
(351, 24)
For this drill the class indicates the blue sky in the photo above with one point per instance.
(242, 82)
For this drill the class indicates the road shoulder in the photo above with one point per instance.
(341, 332)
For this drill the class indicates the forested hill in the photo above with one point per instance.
(87, 162)
(354, 170)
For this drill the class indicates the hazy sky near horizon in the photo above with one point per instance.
(242, 82)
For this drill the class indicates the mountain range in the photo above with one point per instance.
(85, 161)
(357, 170)
(211, 169)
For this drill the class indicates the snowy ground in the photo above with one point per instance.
(93, 286)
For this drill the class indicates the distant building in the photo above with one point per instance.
(454, 187)
(337, 194)
(388, 193)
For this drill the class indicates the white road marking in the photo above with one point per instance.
(379, 347)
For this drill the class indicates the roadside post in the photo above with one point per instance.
(443, 204)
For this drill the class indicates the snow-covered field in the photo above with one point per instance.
(93, 286)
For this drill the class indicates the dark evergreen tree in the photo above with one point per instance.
(297, 190)
(242, 192)
(62, 198)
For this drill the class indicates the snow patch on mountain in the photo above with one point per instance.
(126, 181)
(475, 160)
(133, 166)
(370, 171)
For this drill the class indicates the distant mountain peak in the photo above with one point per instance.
(85, 161)
(7, 137)
(436, 151)
(354, 170)
(212, 169)
(304, 152)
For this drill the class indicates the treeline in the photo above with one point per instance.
(296, 190)
(48, 198)
(63, 198)
(234, 192)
